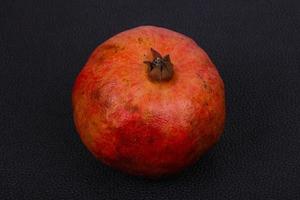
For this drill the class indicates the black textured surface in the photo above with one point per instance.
(255, 45)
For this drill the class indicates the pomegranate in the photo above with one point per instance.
(149, 101)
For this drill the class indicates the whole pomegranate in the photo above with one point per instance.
(149, 102)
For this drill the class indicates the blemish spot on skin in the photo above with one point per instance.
(100, 59)
(95, 94)
(206, 86)
(109, 46)
(112, 47)
(151, 139)
(132, 108)
(140, 40)
(105, 52)
(94, 124)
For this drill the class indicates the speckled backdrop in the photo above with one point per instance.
(255, 46)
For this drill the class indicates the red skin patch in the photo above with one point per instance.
(141, 127)
(143, 150)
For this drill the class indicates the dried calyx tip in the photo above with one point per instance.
(160, 68)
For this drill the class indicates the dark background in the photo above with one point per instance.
(255, 45)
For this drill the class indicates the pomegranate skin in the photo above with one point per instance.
(140, 126)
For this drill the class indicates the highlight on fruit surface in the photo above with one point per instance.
(149, 102)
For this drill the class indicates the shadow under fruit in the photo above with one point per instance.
(149, 102)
